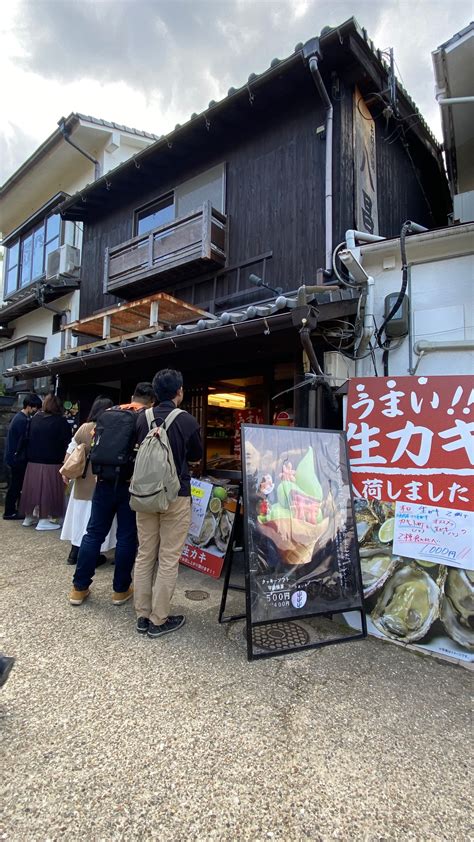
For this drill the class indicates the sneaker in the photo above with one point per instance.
(78, 597)
(120, 598)
(29, 521)
(143, 625)
(6, 664)
(44, 525)
(12, 517)
(170, 625)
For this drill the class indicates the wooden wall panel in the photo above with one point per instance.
(275, 174)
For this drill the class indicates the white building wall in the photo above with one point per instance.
(40, 323)
(441, 292)
(114, 148)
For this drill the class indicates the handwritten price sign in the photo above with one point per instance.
(433, 533)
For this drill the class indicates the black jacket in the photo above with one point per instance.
(184, 436)
(48, 439)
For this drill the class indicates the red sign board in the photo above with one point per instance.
(199, 559)
(412, 439)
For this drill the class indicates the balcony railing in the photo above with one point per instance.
(187, 246)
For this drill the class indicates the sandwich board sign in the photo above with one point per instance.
(301, 551)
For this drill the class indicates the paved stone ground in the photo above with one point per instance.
(109, 736)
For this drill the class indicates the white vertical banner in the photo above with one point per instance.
(365, 165)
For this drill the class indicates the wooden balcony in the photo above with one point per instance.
(183, 248)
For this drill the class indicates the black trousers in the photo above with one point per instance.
(16, 475)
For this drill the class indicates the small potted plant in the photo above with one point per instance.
(6, 400)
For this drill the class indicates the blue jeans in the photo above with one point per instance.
(109, 499)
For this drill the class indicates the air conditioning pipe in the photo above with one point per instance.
(423, 346)
(351, 236)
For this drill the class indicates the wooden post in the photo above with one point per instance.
(206, 229)
(105, 284)
(106, 327)
(154, 309)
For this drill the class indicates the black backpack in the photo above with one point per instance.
(113, 445)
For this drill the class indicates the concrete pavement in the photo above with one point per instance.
(110, 736)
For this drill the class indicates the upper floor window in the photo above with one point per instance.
(159, 213)
(185, 198)
(26, 258)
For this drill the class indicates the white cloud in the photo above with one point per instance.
(151, 64)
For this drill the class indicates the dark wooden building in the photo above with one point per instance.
(241, 192)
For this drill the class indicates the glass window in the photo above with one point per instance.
(38, 253)
(155, 215)
(21, 354)
(26, 256)
(26, 260)
(52, 226)
(11, 277)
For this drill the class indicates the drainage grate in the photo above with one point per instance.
(196, 596)
(279, 636)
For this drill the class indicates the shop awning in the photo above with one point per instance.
(229, 326)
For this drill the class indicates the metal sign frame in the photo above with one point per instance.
(357, 604)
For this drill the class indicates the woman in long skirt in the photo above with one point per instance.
(43, 488)
(80, 499)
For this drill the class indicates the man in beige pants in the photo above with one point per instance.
(161, 536)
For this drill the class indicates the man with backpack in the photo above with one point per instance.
(162, 502)
(112, 455)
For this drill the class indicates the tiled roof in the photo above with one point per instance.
(98, 121)
(267, 312)
(350, 27)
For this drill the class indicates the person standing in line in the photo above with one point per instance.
(43, 488)
(15, 454)
(161, 536)
(80, 499)
(111, 498)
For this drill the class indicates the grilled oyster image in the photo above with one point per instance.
(207, 531)
(376, 566)
(457, 608)
(223, 530)
(408, 605)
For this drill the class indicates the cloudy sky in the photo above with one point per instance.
(151, 63)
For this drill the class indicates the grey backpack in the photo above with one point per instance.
(155, 482)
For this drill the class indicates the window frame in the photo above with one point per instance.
(30, 234)
(147, 209)
(172, 194)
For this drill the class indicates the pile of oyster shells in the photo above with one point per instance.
(406, 597)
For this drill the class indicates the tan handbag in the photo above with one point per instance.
(75, 464)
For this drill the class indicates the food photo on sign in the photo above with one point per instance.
(214, 503)
(411, 446)
(301, 546)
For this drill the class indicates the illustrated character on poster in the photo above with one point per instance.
(266, 487)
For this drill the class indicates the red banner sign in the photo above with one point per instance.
(412, 439)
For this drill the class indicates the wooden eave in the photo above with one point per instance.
(129, 320)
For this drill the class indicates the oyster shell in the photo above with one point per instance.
(223, 530)
(365, 519)
(408, 605)
(376, 567)
(207, 531)
(457, 608)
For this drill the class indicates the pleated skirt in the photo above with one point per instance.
(43, 489)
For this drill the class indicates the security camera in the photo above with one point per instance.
(353, 266)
